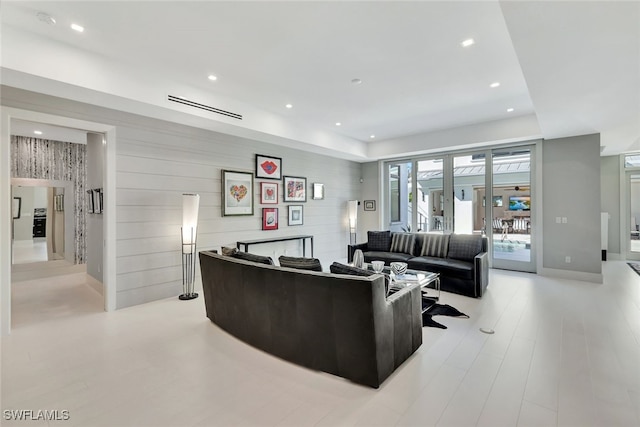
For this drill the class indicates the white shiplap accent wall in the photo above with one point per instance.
(157, 161)
(154, 167)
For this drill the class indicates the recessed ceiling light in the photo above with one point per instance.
(46, 18)
(509, 110)
(372, 136)
(289, 106)
(338, 124)
(37, 132)
(78, 28)
(212, 77)
(468, 42)
(494, 84)
(356, 81)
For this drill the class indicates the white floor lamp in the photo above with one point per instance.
(190, 205)
(352, 206)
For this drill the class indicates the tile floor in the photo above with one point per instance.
(564, 353)
(26, 251)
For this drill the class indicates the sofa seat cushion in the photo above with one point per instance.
(447, 266)
(387, 257)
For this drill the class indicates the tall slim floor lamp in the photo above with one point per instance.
(190, 205)
(352, 206)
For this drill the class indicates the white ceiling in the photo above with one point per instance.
(566, 68)
(55, 133)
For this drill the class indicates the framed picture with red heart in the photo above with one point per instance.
(269, 193)
(269, 218)
(237, 193)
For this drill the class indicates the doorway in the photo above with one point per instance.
(8, 115)
(40, 230)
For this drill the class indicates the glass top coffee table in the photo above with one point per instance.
(424, 278)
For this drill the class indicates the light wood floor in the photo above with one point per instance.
(564, 353)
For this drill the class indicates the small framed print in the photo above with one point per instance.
(237, 193)
(318, 191)
(268, 167)
(369, 205)
(17, 207)
(90, 201)
(295, 215)
(295, 189)
(269, 193)
(269, 218)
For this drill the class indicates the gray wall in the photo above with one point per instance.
(571, 188)
(610, 198)
(157, 161)
(369, 220)
(94, 227)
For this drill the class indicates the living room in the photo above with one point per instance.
(154, 154)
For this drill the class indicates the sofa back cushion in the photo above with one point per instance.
(464, 246)
(300, 263)
(253, 257)
(435, 245)
(403, 243)
(379, 241)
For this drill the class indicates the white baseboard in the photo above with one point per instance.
(95, 284)
(571, 275)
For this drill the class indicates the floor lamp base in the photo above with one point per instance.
(185, 297)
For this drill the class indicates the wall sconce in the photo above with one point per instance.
(352, 206)
(190, 205)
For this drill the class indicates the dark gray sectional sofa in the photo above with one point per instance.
(461, 259)
(340, 324)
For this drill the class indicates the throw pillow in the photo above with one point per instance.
(253, 257)
(464, 246)
(226, 250)
(337, 268)
(403, 243)
(379, 241)
(435, 245)
(300, 263)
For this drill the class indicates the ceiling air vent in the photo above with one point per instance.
(193, 104)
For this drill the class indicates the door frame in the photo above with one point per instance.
(625, 211)
(109, 230)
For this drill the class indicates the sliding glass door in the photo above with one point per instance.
(511, 209)
(631, 221)
(453, 193)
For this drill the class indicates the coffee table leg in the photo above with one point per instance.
(436, 298)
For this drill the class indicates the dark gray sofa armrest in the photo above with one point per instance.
(481, 273)
(399, 331)
(352, 248)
